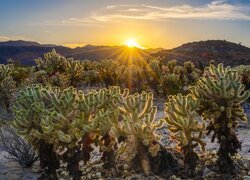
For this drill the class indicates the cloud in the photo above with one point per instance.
(220, 10)
(8, 38)
(73, 22)
(215, 10)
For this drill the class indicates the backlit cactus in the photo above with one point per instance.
(52, 63)
(7, 87)
(74, 71)
(184, 124)
(244, 72)
(60, 71)
(139, 127)
(64, 119)
(220, 93)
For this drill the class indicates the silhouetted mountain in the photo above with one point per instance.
(19, 43)
(199, 52)
(26, 52)
(203, 52)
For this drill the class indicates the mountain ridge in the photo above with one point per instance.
(200, 52)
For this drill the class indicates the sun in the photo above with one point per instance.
(132, 43)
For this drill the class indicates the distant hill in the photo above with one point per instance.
(25, 52)
(202, 52)
(19, 43)
(199, 52)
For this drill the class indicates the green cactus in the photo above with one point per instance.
(74, 71)
(139, 127)
(221, 93)
(66, 119)
(183, 123)
(244, 72)
(60, 71)
(178, 76)
(7, 87)
(21, 74)
(52, 63)
(107, 69)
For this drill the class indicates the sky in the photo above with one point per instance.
(152, 23)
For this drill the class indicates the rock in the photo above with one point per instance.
(207, 172)
(246, 177)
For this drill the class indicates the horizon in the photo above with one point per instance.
(151, 24)
(108, 45)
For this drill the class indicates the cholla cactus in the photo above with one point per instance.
(74, 71)
(138, 125)
(7, 87)
(102, 123)
(43, 112)
(107, 69)
(21, 75)
(183, 123)
(61, 72)
(52, 63)
(244, 72)
(65, 119)
(221, 93)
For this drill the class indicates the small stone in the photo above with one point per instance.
(246, 177)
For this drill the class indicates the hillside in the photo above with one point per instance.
(199, 52)
(25, 52)
(202, 52)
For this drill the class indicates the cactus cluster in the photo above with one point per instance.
(70, 121)
(63, 118)
(220, 93)
(138, 126)
(7, 87)
(60, 71)
(62, 123)
(185, 126)
(20, 74)
(178, 76)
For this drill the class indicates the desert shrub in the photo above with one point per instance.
(221, 93)
(7, 87)
(17, 148)
(185, 126)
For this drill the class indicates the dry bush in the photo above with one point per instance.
(16, 147)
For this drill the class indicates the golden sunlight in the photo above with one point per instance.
(132, 43)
